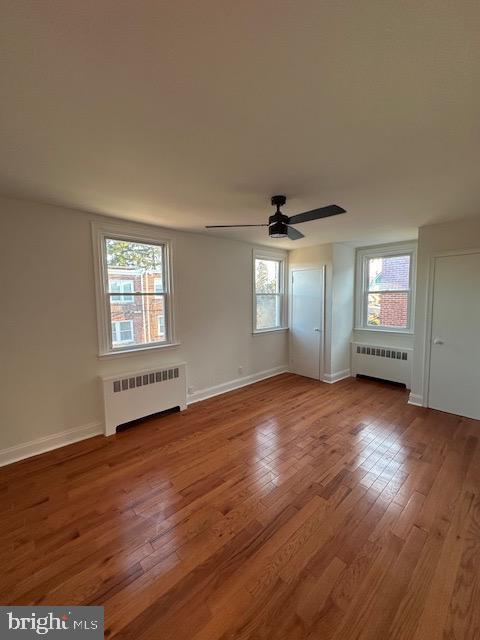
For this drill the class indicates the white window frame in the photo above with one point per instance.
(124, 294)
(361, 283)
(129, 233)
(282, 259)
(130, 322)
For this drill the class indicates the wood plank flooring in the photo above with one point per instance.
(288, 509)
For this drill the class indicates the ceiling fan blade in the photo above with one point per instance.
(294, 234)
(225, 226)
(316, 214)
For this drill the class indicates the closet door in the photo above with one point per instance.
(455, 338)
(306, 322)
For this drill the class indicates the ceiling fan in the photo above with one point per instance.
(279, 225)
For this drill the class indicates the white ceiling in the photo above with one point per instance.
(188, 113)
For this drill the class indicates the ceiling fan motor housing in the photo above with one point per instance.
(278, 201)
(278, 222)
(278, 217)
(278, 230)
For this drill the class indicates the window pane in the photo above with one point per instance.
(158, 285)
(122, 332)
(268, 311)
(138, 267)
(388, 309)
(267, 276)
(158, 332)
(140, 323)
(392, 273)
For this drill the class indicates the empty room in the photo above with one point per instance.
(240, 319)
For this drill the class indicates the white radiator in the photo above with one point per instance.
(388, 363)
(137, 394)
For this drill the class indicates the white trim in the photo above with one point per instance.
(383, 330)
(47, 443)
(281, 257)
(135, 233)
(260, 331)
(129, 352)
(415, 400)
(427, 346)
(269, 254)
(385, 250)
(141, 372)
(331, 378)
(238, 383)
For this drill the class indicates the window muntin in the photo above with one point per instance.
(269, 294)
(122, 287)
(135, 274)
(385, 294)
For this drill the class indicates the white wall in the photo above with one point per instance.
(342, 307)
(48, 333)
(433, 239)
(384, 338)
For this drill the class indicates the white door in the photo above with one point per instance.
(455, 350)
(306, 326)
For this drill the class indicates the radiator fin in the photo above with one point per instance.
(127, 384)
(382, 352)
(382, 361)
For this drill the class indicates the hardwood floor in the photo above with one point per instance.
(288, 509)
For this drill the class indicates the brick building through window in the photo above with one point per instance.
(145, 313)
(384, 293)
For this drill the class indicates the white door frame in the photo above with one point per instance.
(322, 269)
(427, 356)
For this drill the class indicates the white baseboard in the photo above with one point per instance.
(47, 443)
(218, 389)
(331, 378)
(62, 438)
(415, 399)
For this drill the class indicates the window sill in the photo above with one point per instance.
(262, 331)
(384, 330)
(130, 352)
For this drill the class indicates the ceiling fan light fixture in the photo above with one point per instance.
(278, 230)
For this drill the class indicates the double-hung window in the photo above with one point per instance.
(385, 288)
(134, 290)
(269, 291)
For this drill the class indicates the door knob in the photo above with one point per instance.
(316, 329)
(437, 341)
